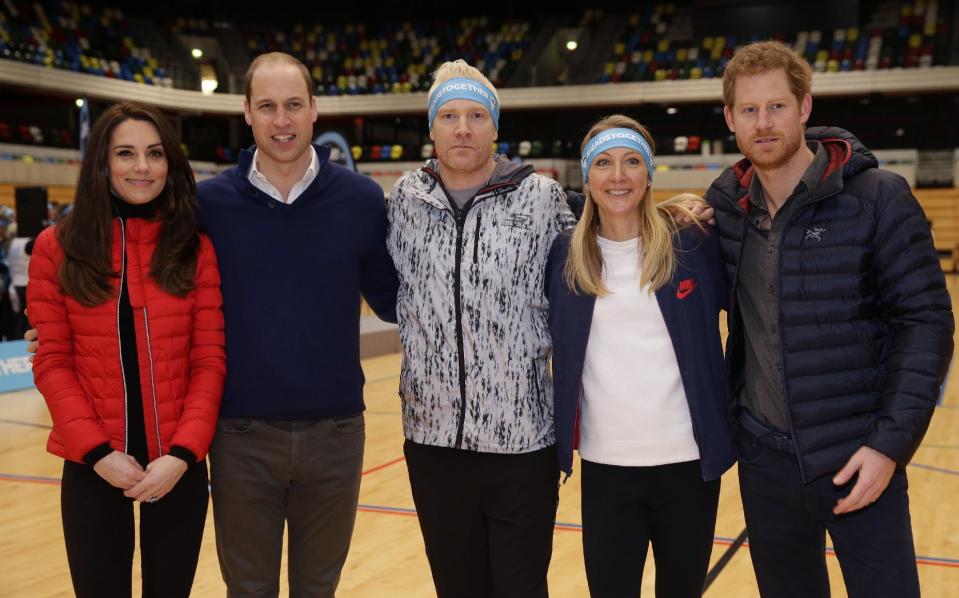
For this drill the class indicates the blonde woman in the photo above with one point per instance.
(638, 371)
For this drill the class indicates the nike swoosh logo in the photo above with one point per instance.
(682, 293)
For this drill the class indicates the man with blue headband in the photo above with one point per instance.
(469, 233)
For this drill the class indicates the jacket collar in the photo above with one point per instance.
(506, 177)
(839, 152)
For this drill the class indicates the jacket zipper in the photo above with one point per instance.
(779, 324)
(153, 386)
(123, 376)
(460, 219)
(782, 349)
(459, 216)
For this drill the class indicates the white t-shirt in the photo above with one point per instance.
(633, 410)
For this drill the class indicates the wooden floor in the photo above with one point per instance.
(387, 557)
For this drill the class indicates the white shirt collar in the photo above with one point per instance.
(259, 180)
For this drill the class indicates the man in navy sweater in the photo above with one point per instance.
(298, 240)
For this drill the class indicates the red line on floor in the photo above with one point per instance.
(384, 465)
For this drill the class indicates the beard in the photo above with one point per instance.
(789, 145)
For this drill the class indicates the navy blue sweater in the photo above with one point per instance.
(690, 305)
(292, 279)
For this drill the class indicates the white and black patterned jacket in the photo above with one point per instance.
(472, 309)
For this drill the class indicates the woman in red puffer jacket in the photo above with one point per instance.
(125, 294)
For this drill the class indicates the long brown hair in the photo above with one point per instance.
(86, 235)
(658, 227)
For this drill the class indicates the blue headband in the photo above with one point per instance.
(610, 138)
(462, 88)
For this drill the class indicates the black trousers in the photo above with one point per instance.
(98, 529)
(627, 508)
(487, 519)
(787, 523)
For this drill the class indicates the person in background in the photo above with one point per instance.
(10, 302)
(634, 303)
(126, 296)
(18, 257)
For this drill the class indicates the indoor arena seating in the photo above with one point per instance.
(356, 58)
(76, 37)
(32, 134)
(657, 44)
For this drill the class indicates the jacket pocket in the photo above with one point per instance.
(348, 424)
(476, 235)
(535, 373)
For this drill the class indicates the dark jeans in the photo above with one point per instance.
(627, 508)
(787, 523)
(487, 519)
(304, 475)
(98, 529)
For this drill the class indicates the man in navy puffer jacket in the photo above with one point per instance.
(840, 336)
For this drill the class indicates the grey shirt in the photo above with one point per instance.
(763, 393)
(459, 197)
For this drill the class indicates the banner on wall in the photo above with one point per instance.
(16, 370)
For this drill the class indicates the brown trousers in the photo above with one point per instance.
(265, 474)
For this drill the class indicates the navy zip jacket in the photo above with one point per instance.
(865, 318)
(690, 305)
(292, 279)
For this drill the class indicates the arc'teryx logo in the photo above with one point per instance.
(685, 288)
(815, 232)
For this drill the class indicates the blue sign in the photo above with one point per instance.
(16, 370)
(339, 148)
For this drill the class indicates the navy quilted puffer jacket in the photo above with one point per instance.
(864, 314)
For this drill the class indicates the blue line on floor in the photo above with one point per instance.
(932, 468)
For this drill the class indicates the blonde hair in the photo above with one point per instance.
(762, 57)
(658, 227)
(460, 68)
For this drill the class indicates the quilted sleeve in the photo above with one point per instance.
(72, 411)
(918, 311)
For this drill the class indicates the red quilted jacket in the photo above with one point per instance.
(179, 344)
